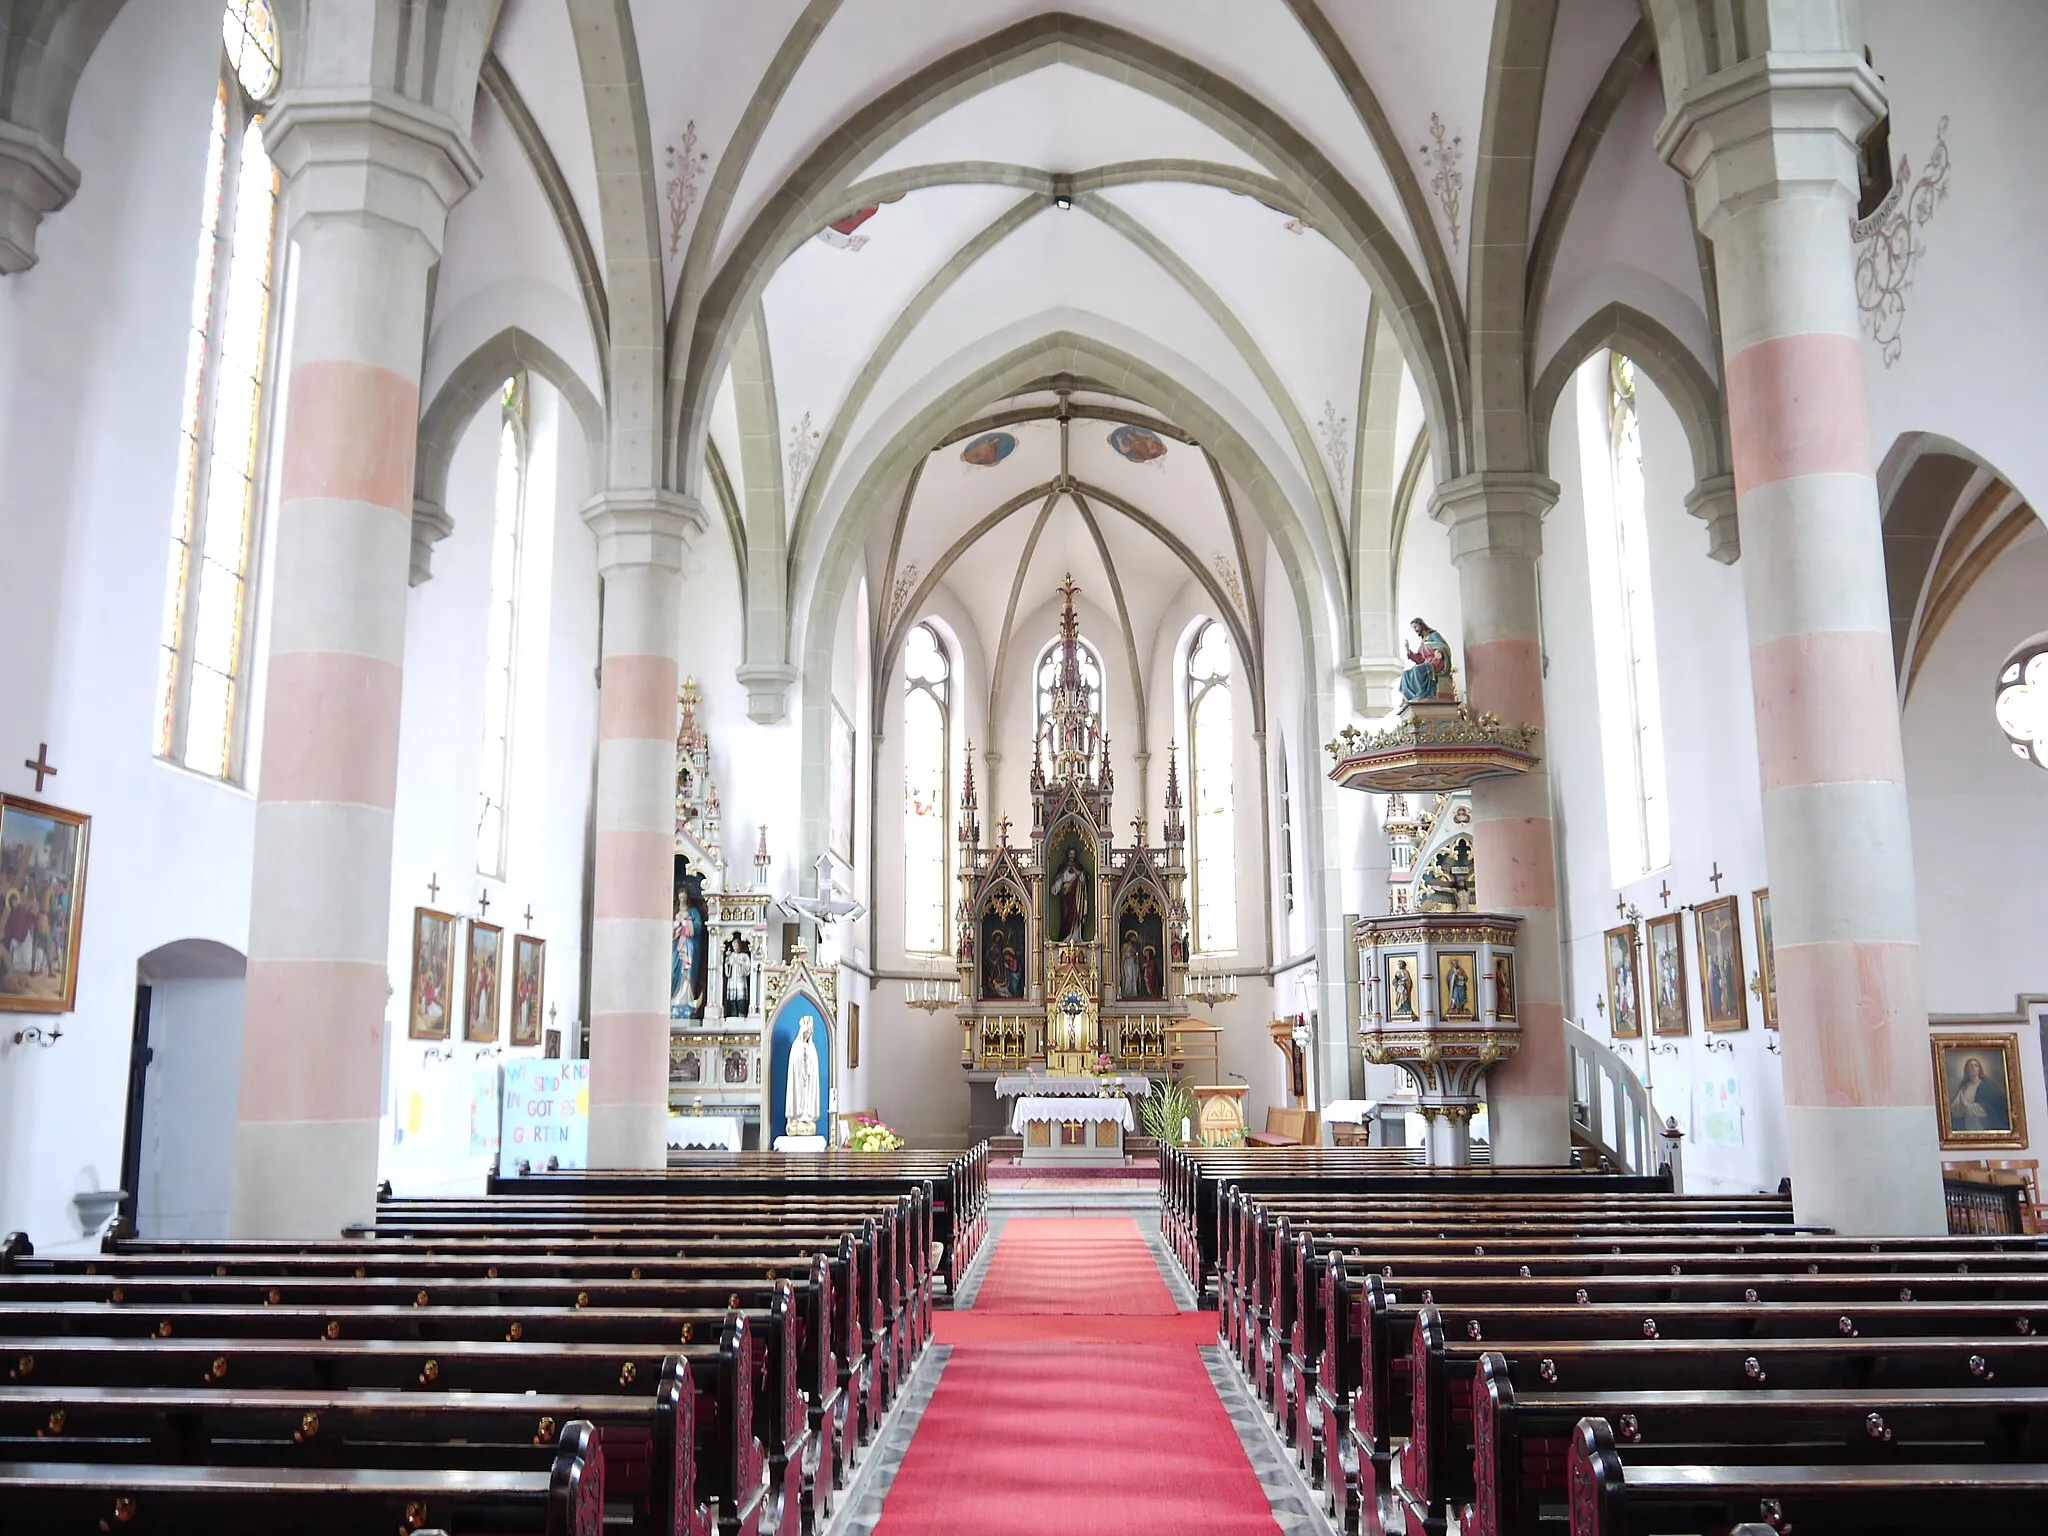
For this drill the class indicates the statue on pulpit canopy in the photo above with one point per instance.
(1430, 676)
(1070, 891)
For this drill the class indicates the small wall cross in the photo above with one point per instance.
(483, 903)
(39, 765)
(1620, 906)
(1717, 877)
(529, 914)
(1664, 892)
(433, 887)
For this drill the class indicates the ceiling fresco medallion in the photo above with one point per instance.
(988, 450)
(1137, 444)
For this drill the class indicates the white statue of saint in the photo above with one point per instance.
(800, 1095)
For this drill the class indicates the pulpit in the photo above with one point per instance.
(1219, 1114)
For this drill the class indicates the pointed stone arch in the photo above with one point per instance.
(1694, 393)
(470, 385)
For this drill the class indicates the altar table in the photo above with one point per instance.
(1019, 1085)
(710, 1133)
(1087, 1131)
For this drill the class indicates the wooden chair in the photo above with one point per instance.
(1288, 1128)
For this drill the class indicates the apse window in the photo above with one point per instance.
(1211, 748)
(1624, 621)
(927, 755)
(2021, 706)
(203, 659)
(501, 643)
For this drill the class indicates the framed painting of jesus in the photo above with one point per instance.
(1624, 1009)
(529, 974)
(1670, 1010)
(433, 974)
(1718, 932)
(480, 996)
(42, 904)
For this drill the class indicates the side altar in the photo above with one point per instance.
(718, 955)
(1073, 948)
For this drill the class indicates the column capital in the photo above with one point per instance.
(1494, 512)
(1712, 501)
(35, 179)
(1375, 683)
(430, 525)
(1774, 126)
(643, 527)
(767, 691)
(354, 155)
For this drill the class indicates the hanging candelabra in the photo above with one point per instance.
(1210, 984)
(933, 991)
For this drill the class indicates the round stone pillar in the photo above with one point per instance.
(641, 536)
(367, 188)
(1770, 146)
(1495, 520)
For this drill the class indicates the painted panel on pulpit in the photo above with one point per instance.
(687, 958)
(799, 1070)
(1002, 948)
(1457, 989)
(1070, 887)
(1141, 950)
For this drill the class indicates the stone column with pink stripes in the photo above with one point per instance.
(1495, 521)
(367, 189)
(1770, 146)
(641, 537)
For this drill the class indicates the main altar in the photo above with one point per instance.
(1073, 948)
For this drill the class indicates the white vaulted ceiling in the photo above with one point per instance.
(1250, 185)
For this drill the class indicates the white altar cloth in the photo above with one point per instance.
(1036, 1109)
(710, 1133)
(1020, 1085)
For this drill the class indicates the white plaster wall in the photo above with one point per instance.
(188, 1121)
(1710, 750)
(1980, 814)
(92, 346)
(427, 1146)
(1966, 367)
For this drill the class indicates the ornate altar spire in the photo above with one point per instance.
(970, 808)
(1176, 830)
(1073, 724)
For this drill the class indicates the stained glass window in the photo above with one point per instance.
(2021, 706)
(927, 755)
(1048, 675)
(249, 31)
(204, 653)
(501, 643)
(1210, 767)
(1624, 620)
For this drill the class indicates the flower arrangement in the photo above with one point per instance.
(865, 1133)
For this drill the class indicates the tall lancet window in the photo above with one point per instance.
(927, 754)
(1624, 621)
(1048, 676)
(1213, 827)
(501, 644)
(203, 660)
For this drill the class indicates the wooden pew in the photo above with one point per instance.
(1522, 1439)
(649, 1442)
(57, 1497)
(1611, 1496)
(730, 1465)
(1437, 1462)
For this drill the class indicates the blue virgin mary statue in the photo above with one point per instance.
(1432, 669)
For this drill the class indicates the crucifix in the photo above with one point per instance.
(1717, 877)
(39, 765)
(1664, 892)
(1620, 906)
(483, 903)
(434, 887)
(529, 914)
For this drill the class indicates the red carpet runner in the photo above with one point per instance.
(1106, 1422)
